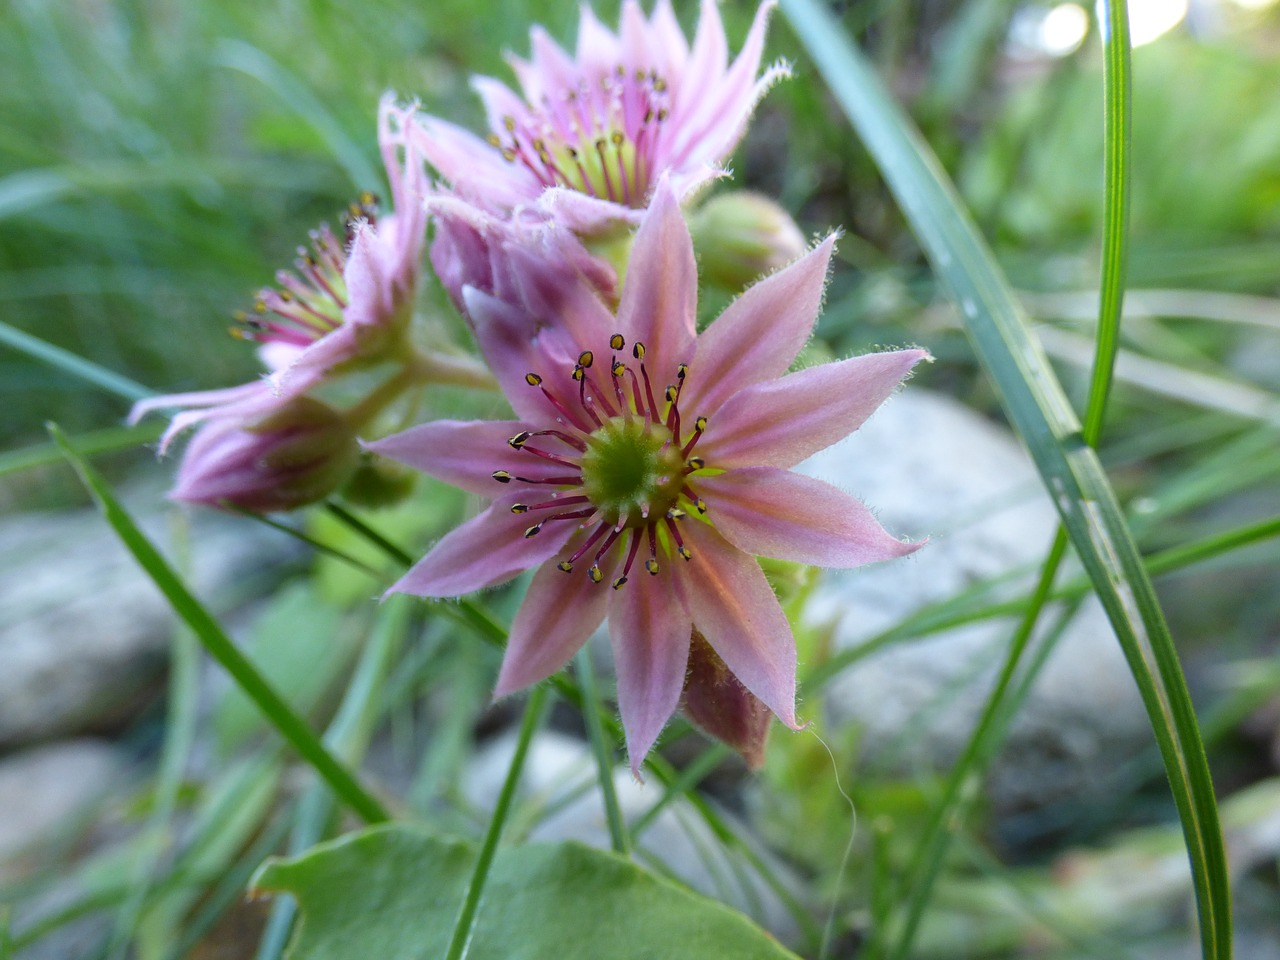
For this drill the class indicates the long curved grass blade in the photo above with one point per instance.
(71, 363)
(249, 60)
(1037, 407)
(106, 440)
(292, 727)
(1117, 122)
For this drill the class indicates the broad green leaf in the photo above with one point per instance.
(393, 892)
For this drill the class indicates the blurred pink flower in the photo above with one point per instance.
(299, 451)
(587, 137)
(656, 460)
(347, 303)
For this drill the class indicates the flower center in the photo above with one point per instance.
(308, 303)
(623, 463)
(632, 468)
(597, 138)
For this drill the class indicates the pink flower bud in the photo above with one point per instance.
(741, 236)
(717, 702)
(293, 455)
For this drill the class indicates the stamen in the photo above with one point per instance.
(587, 544)
(547, 504)
(652, 563)
(631, 556)
(699, 426)
(533, 380)
(675, 535)
(616, 342)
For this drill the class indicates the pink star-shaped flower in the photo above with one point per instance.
(648, 468)
(589, 135)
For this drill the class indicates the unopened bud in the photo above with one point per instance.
(740, 236)
(378, 482)
(293, 455)
(716, 700)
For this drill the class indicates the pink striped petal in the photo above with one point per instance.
(759, 334)
(514, 346)
(781, 422)
(707, 61)
(558, 614)
(669, 42)
(487, 549)
(660, 293)
(472, 165)
(597, 50)
(650, 630)
(769, 512)
(714, 124)
(465, 454)
(735, 609)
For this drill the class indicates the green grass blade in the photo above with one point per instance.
(249, 60)
(89, 444)
(465, 925)
(1036, 405)
(292, 727)
(602, 746)
(1117, 121)
(71, 363)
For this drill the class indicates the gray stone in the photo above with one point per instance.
(84, 632)
(42, 788)
(560, 779)
(928, 466)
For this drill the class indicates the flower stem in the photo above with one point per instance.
(465, 925)
(381, 397)
(459, 371)
(602, 747)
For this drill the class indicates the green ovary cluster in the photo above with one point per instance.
(632, 470)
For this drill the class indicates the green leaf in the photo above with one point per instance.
(1038, 409)
(393, 892)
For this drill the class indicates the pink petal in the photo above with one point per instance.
(584, 214)
(713, 124)
(769, 512)
(487, 549)
(499, 101)
(759, 334)
(465, 454)
(650, 630)
(670, 41)
(735, 609)
(597, 50)
(707, 61)
(660, 294)
(513, 346)
(558, 614)
(781, 422)
(472, 165)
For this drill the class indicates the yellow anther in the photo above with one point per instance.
(619, 368)
(566, 566)
(586, 358)
(519, 440)
(700, 424)
(532, 379)
(595, 574)
(532, 531)
(519, 508)
(616, 342)
(619, 582)
(637, 350)
(684, 552)
(501, 476)
(652, 566)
